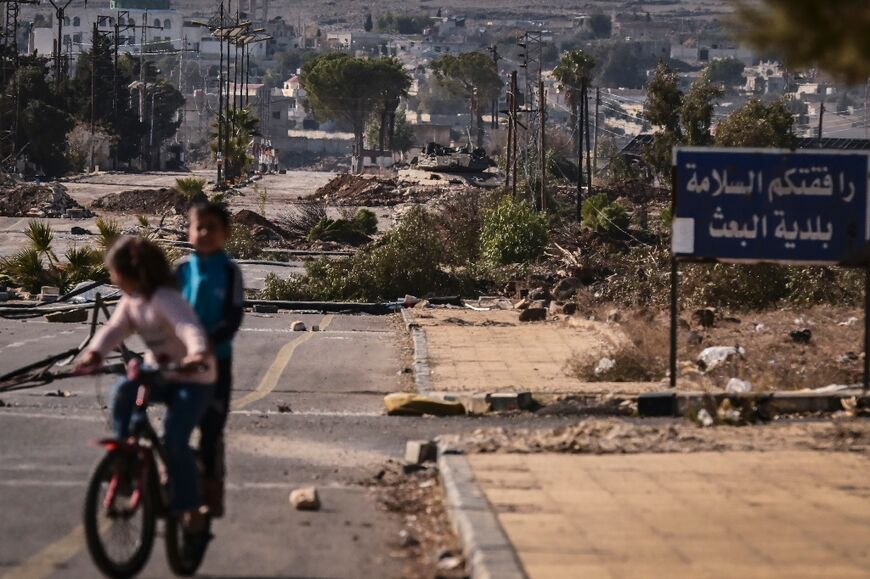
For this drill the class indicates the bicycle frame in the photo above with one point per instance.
(145, 453)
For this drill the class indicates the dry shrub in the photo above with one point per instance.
(302, 219)
(643, 358)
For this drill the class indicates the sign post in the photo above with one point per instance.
(807, 207)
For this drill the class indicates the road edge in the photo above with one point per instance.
(422, 372)
(488, 551)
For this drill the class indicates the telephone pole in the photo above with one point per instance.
(542, 106)
(94, 40)
(821, 116)
(580, 125)
(588, 149)
(494, 116)
(595, 135)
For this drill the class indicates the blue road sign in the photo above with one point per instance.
(772, 205)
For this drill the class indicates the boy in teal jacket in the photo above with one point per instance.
(212, 283)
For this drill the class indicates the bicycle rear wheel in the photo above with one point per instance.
(119, 515)
(185, 551)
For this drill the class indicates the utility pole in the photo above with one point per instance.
(510, 135)
(821, 116)
(514, 113)
(580, 150)
(542, 106)
(59, 10)
(588, 149)
(494, 115)
(94, 41)
(595, 135)
(220, 123)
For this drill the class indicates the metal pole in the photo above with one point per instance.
(542, 99)
(595, 134)
(580, 151)
(115, 82)
(514, 113)
(220, 122)
(866, 328)
(510, 137)
(674, 288)
(588, 136)
(93, 91)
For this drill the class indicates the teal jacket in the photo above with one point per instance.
(213, 285)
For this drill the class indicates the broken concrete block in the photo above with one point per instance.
(265, 309)
(409, 404)
(533, 315)
(68, 317)
(478, 404)
(420, 451)
(569, 309)
(507, 401)
(566, 288)
(298, 326)
(49, 293)
(305, 499)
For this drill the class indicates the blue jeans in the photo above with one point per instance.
(186, 403)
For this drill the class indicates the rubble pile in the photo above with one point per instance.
(614, 435)
(165, 200)
(39, 200)
(347, 189)
(261, 228)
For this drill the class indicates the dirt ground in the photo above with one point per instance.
(427, 543)
(773, 360)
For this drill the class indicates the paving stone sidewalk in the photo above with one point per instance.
(492, 351)
(732, 514)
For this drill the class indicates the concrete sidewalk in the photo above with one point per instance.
(732, 514)
(492, 351)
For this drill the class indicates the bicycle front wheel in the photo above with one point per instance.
(120, 515)
(185, 551)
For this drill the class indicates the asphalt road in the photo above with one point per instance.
(335, 437)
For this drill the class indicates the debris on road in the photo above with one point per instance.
(305, 499)
(348, 189)
(704, 418)
(59, 394)
(68, 317)
(165, 200)
(38, 200)
(409, 404)
(260, 228)
(265, 309)
(284, 407)
(420, 451)
(298, 326)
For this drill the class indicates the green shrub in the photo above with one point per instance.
(338, 230)
(406, 260)
(602, 216)
(241, 244)
(190, 187)
(512, 232)
(366, 221)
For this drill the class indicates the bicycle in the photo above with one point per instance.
(130, 484)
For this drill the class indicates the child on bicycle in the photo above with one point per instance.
(212, 283)
(153, 309)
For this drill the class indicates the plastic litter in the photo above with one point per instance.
(715, 356)
(738, 386)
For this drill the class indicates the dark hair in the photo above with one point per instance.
(212, 209)
(142, 262)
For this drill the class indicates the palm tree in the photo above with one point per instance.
(41, 235)
(573, 73)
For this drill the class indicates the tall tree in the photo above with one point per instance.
(473, 75)
(832, 35)
(393, 83)
(757, 124)
(662, 108)
(341, 87)
(574, 72)
(696, 113)
(368, 24)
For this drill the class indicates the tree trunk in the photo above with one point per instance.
(574, 122)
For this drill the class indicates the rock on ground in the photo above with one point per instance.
(305, 499)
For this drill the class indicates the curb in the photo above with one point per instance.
(488, 552)
(422, 372)
(679, 403)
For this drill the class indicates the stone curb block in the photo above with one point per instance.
(678, 403)
(422, 373)
(488, 551)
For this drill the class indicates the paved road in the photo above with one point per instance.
(335, 437)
